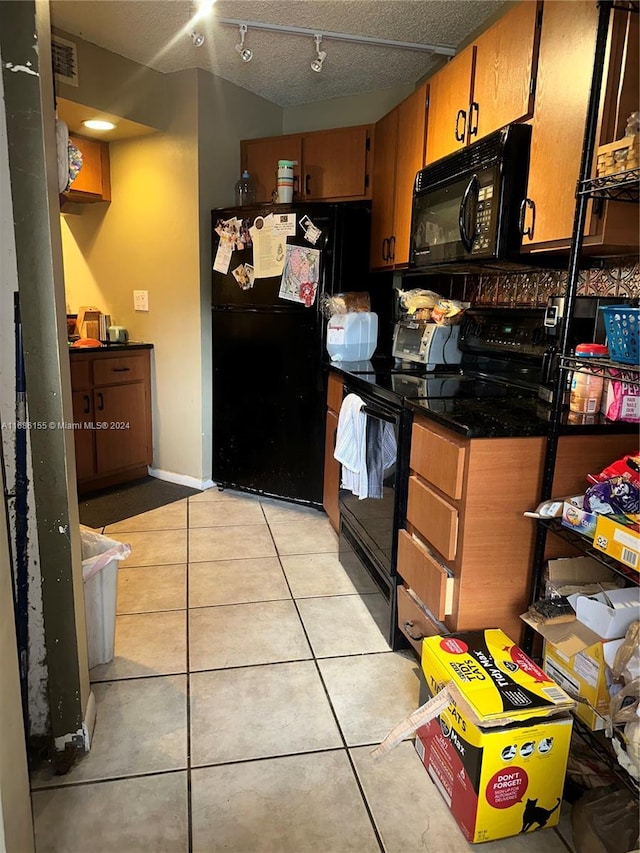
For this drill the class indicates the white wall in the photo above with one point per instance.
(343, 112)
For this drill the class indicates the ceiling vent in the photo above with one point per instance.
(65, 60)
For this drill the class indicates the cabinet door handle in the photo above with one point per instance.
(296, 185)
(528, 231)
(87, 404)
(307, 190)
(385, 254)
(409, 628)
(100, 402)
(461, 115)
(392, 247)
(474, 108)
(121, 369)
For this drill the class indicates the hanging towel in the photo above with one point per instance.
(351, 446)
(382, 450)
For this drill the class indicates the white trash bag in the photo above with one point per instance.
(100, 558)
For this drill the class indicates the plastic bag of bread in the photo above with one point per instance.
(346, 303)
(418, 303)
(448, 312)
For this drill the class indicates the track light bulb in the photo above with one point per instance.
(316, 65)
(197, 39)
(246, 54)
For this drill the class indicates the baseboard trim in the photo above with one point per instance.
(181, 479)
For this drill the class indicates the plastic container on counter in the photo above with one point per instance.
(586, 386)
(245, 190)
(352, 337)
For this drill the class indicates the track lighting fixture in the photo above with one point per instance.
(321, 55)
(246, 54)
(197, 39)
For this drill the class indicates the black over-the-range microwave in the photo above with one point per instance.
(470, 205)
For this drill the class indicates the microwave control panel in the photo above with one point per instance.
(483, 219)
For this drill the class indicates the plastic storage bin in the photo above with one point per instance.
(352, 337)
(100, 557)
(623, 334)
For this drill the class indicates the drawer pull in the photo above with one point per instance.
(100, 402)
(121, 369)
(87, 404)
(409, 628)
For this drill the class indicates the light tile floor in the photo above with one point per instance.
(249, 686)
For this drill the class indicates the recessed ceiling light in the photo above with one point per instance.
(98, 124)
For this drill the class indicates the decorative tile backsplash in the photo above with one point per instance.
(531, 289)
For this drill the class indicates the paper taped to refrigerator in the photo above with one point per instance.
(268, 247)
(300, 275)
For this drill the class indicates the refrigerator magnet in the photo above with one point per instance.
(285, 224)
(311, 232)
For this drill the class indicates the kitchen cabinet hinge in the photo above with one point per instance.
(539, 19)
(532, 86)
(426, 103)
(368, 143)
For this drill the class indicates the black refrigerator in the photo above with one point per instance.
(268, 385)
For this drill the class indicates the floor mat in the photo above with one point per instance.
(119, 502)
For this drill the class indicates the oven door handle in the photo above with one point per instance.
(472, 187)
(381, 416)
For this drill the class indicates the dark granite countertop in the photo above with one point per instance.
(516, 414)
(111, 347)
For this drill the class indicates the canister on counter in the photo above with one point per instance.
(586, 385)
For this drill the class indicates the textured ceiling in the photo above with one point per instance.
(156, 33)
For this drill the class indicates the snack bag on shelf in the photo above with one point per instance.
(628, 467)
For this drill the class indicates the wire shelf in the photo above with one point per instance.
(585, 546)
(621, 186)
(601, 746)
(603, 367)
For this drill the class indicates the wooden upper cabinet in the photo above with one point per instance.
(260, 158)
(565, 66)
(332, 164)
(93, 182)
(412, 119)
(335, 163)
(450, 95)
(487, 85)
(383, 206)
(399, 154)
(505, 70)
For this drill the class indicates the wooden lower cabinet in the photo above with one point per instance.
(331, 484)
(111, 392)
(467, 559)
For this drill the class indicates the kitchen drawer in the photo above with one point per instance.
(427, 578)
(80, 374)
(438, 458)
(334, 392)
(113, 371)
(433, 517)
(415, 621)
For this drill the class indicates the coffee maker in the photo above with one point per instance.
(587, 326)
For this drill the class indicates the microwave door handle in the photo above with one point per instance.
(467, 239)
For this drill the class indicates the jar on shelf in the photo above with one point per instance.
(587, 385)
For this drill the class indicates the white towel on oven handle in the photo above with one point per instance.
(351, 446)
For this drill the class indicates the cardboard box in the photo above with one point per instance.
(498, 757)
(578, 519)
(567, 575)
(618, 541)
(608, 614)
(584, 675)
(578, 658)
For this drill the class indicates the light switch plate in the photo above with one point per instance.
(141, 300)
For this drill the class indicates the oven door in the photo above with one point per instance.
(375, 520)
(456, 220)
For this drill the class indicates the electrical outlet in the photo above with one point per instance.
(141, 300)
